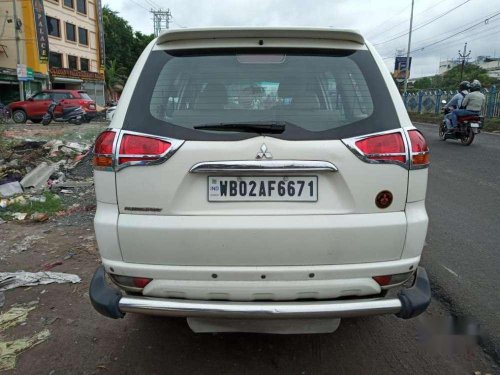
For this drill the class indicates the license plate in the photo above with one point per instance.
(263, 188)
(474, 125)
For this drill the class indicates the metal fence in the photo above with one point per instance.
(430, 101)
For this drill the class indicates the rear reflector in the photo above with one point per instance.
(103, 149)
(131, 282)
(385, 147)
(141, 282)
(419, 148)
(382, 280)
(396, 279)
(140, 148)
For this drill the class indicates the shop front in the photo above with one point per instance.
(69, 79)
(9, 85)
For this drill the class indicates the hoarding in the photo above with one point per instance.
(400, 68)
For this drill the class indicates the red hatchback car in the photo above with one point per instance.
(35, 107)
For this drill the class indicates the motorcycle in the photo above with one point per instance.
(467, 128)
(73, 115)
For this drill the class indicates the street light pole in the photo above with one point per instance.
(16, 28)
(407, 72)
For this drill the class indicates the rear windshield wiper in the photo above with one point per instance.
(271, 127)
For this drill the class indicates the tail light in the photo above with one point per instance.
(114, 150)
(392, 148)
(140, 148)
(419, 149)
(103, 149)
(386, 147)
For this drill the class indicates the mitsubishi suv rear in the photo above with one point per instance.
(260, 177)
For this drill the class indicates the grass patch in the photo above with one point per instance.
(51, 205)
(490, 124)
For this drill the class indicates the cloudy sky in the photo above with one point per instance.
(441, 27)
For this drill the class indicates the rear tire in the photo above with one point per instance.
(46, 121)
(19, 116)
(442, 132)
(468, 139)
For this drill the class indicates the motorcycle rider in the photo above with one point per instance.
(456, 101)
(471, 105)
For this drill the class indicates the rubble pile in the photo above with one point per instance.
(35, 174)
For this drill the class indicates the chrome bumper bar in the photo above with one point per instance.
(409, 303)
(259, 310)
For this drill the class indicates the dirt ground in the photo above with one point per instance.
(83, 342)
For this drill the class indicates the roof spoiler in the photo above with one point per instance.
(260, 32)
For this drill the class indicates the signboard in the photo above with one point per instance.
(102, 51)
(70, 73)
(42, 35)
(400, 68)
(22, 72)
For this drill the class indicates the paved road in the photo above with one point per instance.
(462, 254)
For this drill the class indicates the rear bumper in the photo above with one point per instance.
(409, 303)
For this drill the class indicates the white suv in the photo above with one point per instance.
(260, 175)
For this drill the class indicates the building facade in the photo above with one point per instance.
(76, 57)
(20, 16)
(491, 64)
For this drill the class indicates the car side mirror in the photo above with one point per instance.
(30, 99)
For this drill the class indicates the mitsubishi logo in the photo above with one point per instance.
(263, 153)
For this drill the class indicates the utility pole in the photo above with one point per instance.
(161, 20)
(16, 28)
(465, 57)
(408, 49)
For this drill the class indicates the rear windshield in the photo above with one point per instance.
(84, 95)
(318, 94)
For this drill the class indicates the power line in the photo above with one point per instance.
(476, 23)
(138, 4)
(423, 25)
(151, 4)
(485, 21)
(405, 21)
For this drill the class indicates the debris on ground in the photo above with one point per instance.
(36, 278)
(10, 188)
(10, 349)
(39, 176)
(16, 315)
(39, 217)
(25, 244)
(49, 266)
(30, 169)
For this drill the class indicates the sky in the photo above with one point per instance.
(441, 27)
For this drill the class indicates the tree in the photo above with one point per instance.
(451, 79)
(123, 48)
(115, 78)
